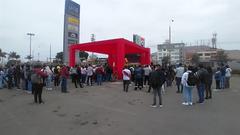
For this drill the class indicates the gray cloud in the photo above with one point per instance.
(194, 20)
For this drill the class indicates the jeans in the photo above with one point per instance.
(64, 84)
(227, 82)
(222, 82)
(48, 81)
(89, 78)
(108, 77)
(99, 79)
(29, 85)
(126, 85)
(155, 92)
(201, 89)
(1, 82)
(37, 88)
(83, 78)
(187, 94)
(179, 85)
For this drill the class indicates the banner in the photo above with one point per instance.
(71, 27)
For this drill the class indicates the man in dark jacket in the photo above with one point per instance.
(157, 79)
(202, 75)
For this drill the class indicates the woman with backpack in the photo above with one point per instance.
(188, 81)
(37, 83)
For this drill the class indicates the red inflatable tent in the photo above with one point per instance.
(116, 49)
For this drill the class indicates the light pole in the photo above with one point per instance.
(30, 35)
(93, 38)
(170, 31)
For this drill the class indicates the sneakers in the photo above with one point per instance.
(154, 105)
(184, 103)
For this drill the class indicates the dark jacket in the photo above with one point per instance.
(157, 78)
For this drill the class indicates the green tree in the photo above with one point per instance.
(83, 55)
(59, 57)
(2, 55)
(221, 57)
(29, 57)
(166, 60)
(195, 59)
(13, 56)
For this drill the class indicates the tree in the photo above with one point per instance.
(59, 57)
(83, 55)
(166, 60)
(13, 55)
(221, 57)
(2, 55)
(29, 57)
(195, 59)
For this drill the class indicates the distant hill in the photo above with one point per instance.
(233, 54)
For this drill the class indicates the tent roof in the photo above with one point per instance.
(109, 46)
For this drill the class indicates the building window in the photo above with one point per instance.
(207, 54)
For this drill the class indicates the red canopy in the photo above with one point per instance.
(116, 49)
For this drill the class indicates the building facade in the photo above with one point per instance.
(174, 51)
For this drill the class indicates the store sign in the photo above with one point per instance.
(71, 27)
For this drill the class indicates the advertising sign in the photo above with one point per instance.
(138, 40)
(71, 27)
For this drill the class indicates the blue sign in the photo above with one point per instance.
(72, 8)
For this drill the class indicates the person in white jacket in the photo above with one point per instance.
(228, 76)
(187, 89)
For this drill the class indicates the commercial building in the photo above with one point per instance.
(174, 51)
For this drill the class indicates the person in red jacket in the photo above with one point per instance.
(37, 83)
(64, 75)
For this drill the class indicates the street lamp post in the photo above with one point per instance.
(170, 31)
(30, 35)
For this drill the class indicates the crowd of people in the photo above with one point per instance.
(186, 78)
(33, 78)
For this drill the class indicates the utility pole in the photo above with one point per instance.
(30, 35)
(50, 55)
(93, 40)
(170, 31)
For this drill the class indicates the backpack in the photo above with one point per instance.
(191, 81)
(35, 78)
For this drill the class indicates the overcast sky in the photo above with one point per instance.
(193, 20)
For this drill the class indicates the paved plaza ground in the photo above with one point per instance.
(107, 110)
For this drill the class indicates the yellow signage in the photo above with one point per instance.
(73, 20)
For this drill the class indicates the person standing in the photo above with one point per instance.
(209, 83)
(126, 78)
(157, 79)
(90, 75)
(179, 73)
(49, 73)
(217, 77)
(228, 76)
(138, 72)
(147, 71)
(202, 81)
(188, 81)
(223, 75)
(64, 75)
(99, 74)
(37, 83)
(56, 75)
(74, 75)
(1, 78)
(79, 77)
